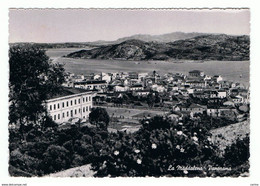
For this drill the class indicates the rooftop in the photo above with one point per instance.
(193, 105)
(137, 85)
(142, 91)
(66, 92)
(195, 71)
(195, 81)
(221, 107)
(90, 82)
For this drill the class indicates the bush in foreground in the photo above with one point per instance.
(157, 151)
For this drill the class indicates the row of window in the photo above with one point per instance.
(71, 113)
(69, 103)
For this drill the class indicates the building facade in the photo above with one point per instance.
(61, 109)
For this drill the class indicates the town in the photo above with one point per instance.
(131, 96)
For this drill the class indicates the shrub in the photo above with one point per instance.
(237, 153)
(55, 159)
(153, 149)
(157, 122)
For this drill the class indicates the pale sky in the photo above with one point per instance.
(82, 25)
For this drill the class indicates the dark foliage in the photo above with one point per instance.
(237, 153)
(32, 78)
(152, 151)
(53, 149)
(99, 117)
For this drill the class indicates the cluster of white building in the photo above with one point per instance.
(79, 102)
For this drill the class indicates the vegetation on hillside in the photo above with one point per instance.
(157, 149)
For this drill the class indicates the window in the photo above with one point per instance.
(63, 115)
(79, 110)
(58, 105)
(86, 108)
(67, 103)
(86, 99)
(75, 101)
(83, 99)
(89, 98)
(58, 116)
(50, 107)
(71, 113)
(75, 111)
(62, 104)
(54, 117)
(71, 102)
(54, 107)
(79, 101)
(68, 114)
(83, 109)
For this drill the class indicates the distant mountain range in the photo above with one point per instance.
(170, 37)
(178, 45)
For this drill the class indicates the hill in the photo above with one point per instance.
(203, 47)
(170, 37)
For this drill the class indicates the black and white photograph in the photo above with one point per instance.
(129, 92)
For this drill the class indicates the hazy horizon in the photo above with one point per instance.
(91, 25)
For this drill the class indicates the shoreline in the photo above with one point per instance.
(169, 61)
(230, 70)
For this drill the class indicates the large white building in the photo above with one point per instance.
(72, 103)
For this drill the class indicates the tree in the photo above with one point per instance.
(99, 117)
(157, 122)
(32, 78)
(55, 159)
(150, 99)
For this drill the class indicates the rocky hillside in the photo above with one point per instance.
(225, 136)
(205, 47)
